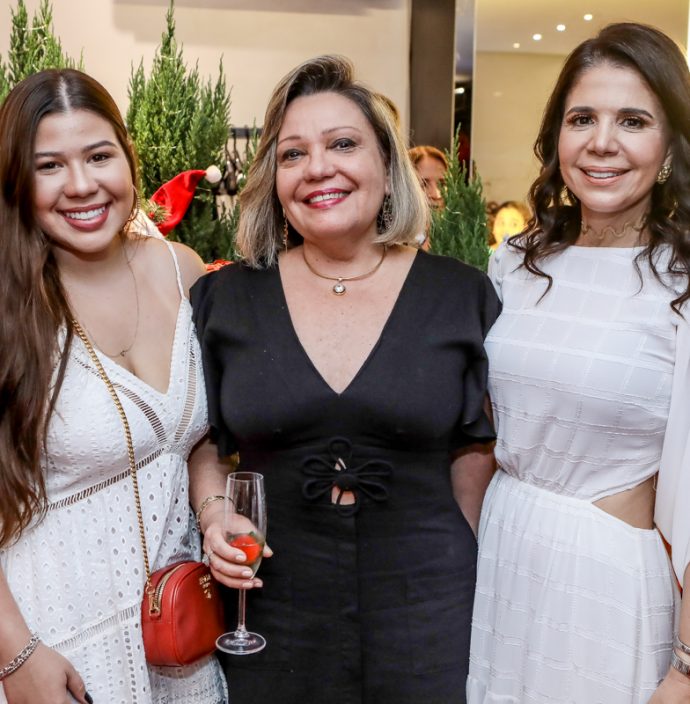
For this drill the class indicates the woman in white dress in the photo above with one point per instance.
(589, 380)
(72, 576)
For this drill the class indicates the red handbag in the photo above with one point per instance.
(181, 612)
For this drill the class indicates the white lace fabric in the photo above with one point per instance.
(78, 575)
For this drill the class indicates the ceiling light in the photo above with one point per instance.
(536, 37)
(588, 17)
(560, 27)
(459, 91)
(516, 45)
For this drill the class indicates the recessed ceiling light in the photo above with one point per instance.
(516, 45)
(536, 37)
(459, 90)
(588, 17)
(560, 27)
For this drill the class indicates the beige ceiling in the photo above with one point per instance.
(500, 23)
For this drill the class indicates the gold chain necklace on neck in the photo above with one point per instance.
(339, 288)
(609, 232)
(125, 350)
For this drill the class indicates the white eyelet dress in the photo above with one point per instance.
(78, 574)
(573, 605)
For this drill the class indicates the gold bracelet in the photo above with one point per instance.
(23, 656)
(204, 504)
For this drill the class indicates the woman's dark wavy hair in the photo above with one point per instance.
(33, 303)
(556, 222)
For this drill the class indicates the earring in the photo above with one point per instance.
(664, 173)
(136, 207)
(385, 216)
(286, 231)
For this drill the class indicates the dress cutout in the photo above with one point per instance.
(573, 605)
(369, 603)
(78, 574)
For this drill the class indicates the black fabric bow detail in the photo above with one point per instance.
(336, 469)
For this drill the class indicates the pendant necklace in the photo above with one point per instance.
(125, 350)
(339, 288)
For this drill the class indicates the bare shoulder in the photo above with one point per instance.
(154, 257)
(402, 256)
(402, 253)
(191, 265)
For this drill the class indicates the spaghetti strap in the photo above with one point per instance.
(145, 226)
(171, 249)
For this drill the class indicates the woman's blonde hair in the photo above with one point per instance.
(260, 236)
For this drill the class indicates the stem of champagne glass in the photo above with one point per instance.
(241, 631)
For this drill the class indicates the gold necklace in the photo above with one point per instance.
(339, 288)
(610, 233)
(124, 351)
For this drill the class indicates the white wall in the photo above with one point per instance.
(511, 88)
(259, 40)
(510, 93)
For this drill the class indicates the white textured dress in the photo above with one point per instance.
(572, 604)
(78, 574)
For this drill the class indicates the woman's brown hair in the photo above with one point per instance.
(418, 153)
(556, 222)
(35, 330)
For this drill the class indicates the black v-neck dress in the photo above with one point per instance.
(371, 603)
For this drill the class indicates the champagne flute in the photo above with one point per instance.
(244, 527)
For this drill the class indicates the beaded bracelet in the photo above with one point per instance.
(23, 656)
(208, 500)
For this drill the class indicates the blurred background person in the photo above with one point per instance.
(508, 219)
(431, 166)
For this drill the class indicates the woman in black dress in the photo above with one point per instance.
(349, 370)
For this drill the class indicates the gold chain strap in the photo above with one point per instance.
(130, 446)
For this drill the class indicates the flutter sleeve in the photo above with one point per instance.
(672, 510)
(474, 425)
(209, 323)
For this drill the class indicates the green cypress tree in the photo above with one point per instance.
(459, 229)
(249, 154)
(32, 49)
(4, 82)
(178, 122)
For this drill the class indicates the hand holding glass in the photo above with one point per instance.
(244, 527)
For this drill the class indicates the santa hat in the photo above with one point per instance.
(175, 196)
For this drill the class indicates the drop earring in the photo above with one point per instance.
(286, 232)
(664, 173)
(385, 215)
(136, 207)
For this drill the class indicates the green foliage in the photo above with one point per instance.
(32, 49)
(249, 153)
(459, 229)
(177, 123)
